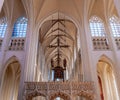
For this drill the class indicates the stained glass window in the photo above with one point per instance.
(97, 27)
(115, 26)
(20, 27)
(3, 26)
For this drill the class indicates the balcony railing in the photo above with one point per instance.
(100, 43)
(17, 44)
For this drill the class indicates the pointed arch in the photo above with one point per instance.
(34, 94)
(20, 27)
(10, 60)
(106, 59)
(115, 25)
(86, 95)
(97, 27)
(11, 75)
(98, 34)
(61, 95)
(106, 79)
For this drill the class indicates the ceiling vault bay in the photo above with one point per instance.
(50, 31)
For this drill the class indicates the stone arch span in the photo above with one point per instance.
(88, 96)
(31, 95)
(61, 95)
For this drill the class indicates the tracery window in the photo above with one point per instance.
(3, 26)
(99, 39)
(97, 27)
(18, 35)
(115, 26)
(20, 27)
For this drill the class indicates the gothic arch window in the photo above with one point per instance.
(97, 27)
(20, 27)
(3, 26)
(98, 33)
(115, 26)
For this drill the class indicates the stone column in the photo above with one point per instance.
(89, 65)
(30, 51)
(86, 45)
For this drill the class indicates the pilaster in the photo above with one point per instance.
(30, 51)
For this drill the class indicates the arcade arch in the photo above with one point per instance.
(106, 80)
(59, 96)
(11, 80)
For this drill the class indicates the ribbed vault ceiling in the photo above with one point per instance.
(38, 9)
(58, 28)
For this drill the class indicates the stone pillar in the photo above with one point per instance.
(86, 46)
(89, 66)
(30, 51)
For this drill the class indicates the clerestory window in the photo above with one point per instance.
(3, 26)
(115, 26)
(20, 27)
(97, 27)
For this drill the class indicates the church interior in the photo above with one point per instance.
(59, 49)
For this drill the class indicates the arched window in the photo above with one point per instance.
(20, 27)
(97, 27)
(3, 26)
(115, 26)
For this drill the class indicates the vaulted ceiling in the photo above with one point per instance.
(78, 9)
(58, 35)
